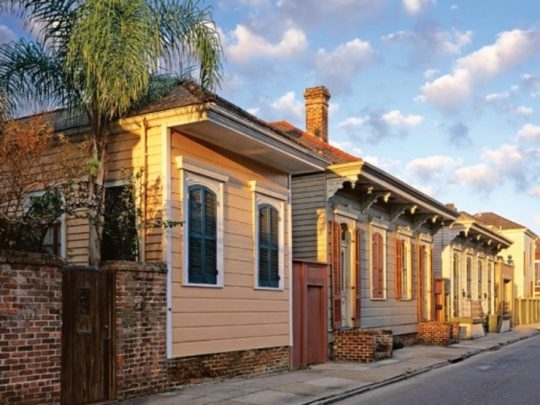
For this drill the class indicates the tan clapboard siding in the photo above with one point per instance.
(216, 319)
(219, 346)
(236, 316)
(308, 196)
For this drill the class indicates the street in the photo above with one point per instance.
(506, 376)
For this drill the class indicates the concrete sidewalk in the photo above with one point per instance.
(330, 382)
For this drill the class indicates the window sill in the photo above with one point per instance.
(269, 288)
(378, 299)
(202, 285)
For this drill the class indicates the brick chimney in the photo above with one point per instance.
(317, 111)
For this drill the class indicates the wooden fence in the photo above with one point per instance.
(526, 311)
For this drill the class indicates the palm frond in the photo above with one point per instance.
(28, 74)
(190, 39)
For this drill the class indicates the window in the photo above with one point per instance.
(202, 231)
(489, 278)
(268, 244)
(52, 239)
(377, 266)
(269, 236)
(480, 270)
(203, 226)
(120, 240)
(455, 280)
(469, 277)
(403, 269)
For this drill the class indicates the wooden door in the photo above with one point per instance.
(86, 336)
(421, 282)
(310, 319)
(440, 295)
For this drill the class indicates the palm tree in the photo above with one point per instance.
(98, 57)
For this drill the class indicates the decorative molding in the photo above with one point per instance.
(333, 185)
(347, 172)
(268, 191)
(202, 169)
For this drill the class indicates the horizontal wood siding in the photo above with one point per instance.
(400, 316)
(309, 219)
(237, 316)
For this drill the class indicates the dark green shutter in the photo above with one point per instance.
(268, 246)
(202, 230)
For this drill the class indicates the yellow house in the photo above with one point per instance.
(226, 175)
(521, 252)
(467, 260)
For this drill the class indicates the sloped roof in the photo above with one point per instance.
(483, 227)
(499, 222)
(314, 143)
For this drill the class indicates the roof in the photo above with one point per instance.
(375, 174)
(490, 218)
(316, 144)
(482, 228)
(187, 93)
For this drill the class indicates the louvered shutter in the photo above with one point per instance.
(202, 231)
(399, 269)
(335, 250)
(421, 280)
(268, 246)
(358, 277)
(378, 266)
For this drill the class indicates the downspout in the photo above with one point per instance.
(143, 190)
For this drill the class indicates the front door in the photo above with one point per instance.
(346, 299)
(86, 336)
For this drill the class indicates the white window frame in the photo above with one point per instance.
(407, 295)
(383, 231)
(263, 195)
(215, 182)
(61, 219)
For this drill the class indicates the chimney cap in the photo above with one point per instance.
(317, 91)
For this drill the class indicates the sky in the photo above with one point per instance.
(445, 95)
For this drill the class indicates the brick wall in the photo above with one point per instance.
(227, 365)
(438, 333)
(365, 345)
(30, 328)
(141, 311)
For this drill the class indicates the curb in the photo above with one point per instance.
(330, 399)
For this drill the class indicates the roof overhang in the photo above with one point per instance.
(481, 235)
(373, 186)
(225, 129)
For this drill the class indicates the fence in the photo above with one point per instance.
(526, 311)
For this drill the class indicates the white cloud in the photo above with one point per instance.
(522, 110)
(352, 123)
(348, 147)
(429, 39)
(477, 177)
(289, 105)
(242, 45)
(494, 97)
(339, 67)
(529, 132)
(254, 111)
(432, 167)
(398, 119)
(383, 163)
(532, 84)
(534, 192)
(415, 6)
(375, 126)
(470, 72)
(454, 7)
(430, 73)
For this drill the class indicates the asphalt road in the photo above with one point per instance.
(508, 376)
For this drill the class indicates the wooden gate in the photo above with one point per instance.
(310, 319)
(87, 343)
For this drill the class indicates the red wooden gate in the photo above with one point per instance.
(86, 336)
(310, 320)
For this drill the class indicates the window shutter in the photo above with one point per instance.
(268, 246)
(421, 275)
(335, 251)
(377, 266)
(202, 230)
(358, 276)
(399, 269)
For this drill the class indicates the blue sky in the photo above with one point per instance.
(443, 94)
